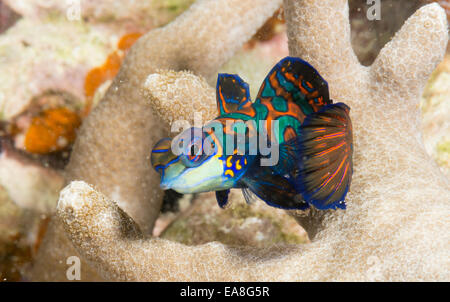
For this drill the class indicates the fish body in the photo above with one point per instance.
(292, 147)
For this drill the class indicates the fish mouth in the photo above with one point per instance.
(165, 185)
(170, 183)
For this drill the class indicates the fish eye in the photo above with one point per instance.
(194, 149)
(194, 155)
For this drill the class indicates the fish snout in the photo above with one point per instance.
(162, 155)
(164, 186)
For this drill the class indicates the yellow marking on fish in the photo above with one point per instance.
(238, 166)
(229, 172)
(245, 161)
(229, 164)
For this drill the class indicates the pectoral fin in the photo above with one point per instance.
(274, 189)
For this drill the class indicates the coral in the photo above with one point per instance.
(20, 232)
(104, 74)
(239, 224)
(48, 122)
(125, 113)
(396, 223)
(28, 184)
(444, 3)
(54, 55)
(112, 148)
(48, 125)
(52, 131)
(167, 91)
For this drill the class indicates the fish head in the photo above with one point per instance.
(190, 163)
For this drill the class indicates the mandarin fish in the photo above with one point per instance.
(312, 137)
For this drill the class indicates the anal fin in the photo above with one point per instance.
(274, 189)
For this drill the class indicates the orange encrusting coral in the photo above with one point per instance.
(128, 40)
(99, 75)
(52, 130)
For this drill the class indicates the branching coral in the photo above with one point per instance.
(396, 224)
(112, 149)
(168, 92)
(125, 125)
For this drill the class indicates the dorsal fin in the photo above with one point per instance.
(233, 93)
(295, 80)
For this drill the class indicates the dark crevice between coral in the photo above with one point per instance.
(8, 17)
(171, 201)
(54, 160)
(370, 36)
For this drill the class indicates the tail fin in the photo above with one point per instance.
(326, 146)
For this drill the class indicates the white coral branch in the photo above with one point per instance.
(407, 61)
(180, 95)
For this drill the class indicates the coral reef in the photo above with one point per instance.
(113, 145)
(395, 226)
